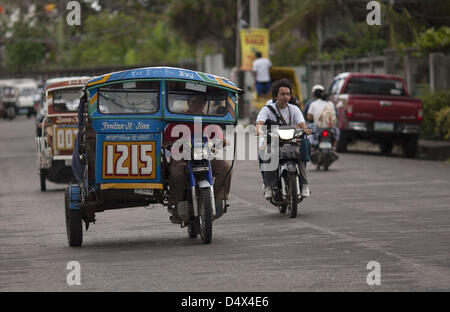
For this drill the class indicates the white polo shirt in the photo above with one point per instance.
(293, 111)
(262, 68)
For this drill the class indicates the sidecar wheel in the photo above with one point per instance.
(205, 215)
(74, 226)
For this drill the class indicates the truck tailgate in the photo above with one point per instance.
(400, 109)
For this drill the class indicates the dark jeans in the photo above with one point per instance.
(263, 87)
(270, 178)
(222, 182)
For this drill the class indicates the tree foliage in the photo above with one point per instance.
(211, 22)
(23, 54)
(125, 32)
(433, 40)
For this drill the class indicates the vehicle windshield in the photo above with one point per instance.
(8, 91)
(28, 92)
(196, 99)
(377, 86)
(134, 97)
(66, 100)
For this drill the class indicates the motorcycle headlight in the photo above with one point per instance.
(200, 153)
(286, 134)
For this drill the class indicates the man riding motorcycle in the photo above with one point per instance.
(290, 115)
(220, 168)
(322, 113)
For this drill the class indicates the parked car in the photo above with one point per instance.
(377, 108)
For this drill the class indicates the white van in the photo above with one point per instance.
(26, 96)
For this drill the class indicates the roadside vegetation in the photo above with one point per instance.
(34, 35)
(120, 32)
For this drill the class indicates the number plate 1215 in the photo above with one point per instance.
(129, 160)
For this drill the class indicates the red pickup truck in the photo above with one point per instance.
(377, 108)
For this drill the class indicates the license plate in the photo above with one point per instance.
(143, 191)
(325, 145)
(64, 138)
(68, 162)
(384, 126)
(129, 160)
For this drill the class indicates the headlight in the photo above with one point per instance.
(286, 134)
(200, 153)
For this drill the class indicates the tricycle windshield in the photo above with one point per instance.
(132, 97)
(66, 100)
(196, 99)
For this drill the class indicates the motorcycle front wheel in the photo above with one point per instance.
(292, 196)
(205, 215)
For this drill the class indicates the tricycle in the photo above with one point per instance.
(123, 157)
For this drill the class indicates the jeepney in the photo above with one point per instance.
(55, 144)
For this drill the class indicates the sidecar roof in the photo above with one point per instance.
(163, 73)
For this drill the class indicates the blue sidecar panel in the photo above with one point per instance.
(128, 157)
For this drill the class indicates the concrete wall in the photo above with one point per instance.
(324, 72)
(439, 72)
(421, 74)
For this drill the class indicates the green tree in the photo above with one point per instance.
(433, 40)
(211, 22)
(107, 40)
(160, 45)
(24, 50)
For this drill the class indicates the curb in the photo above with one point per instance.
(433, 150)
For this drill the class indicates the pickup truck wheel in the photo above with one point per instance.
(386, 147)
(342, 143)
(409, 147)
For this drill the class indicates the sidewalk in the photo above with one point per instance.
(433, 150)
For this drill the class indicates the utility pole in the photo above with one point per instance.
(254, 14)
(238, 36)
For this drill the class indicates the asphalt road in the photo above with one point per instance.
(367, 208)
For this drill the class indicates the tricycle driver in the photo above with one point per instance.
(178, 177)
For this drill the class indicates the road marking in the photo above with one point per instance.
(393, 183)
(434, 273)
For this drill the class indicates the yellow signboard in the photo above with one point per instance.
(50, 7)
(253, 40)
